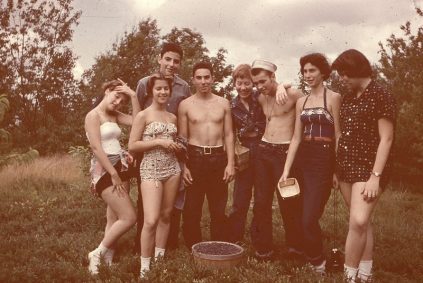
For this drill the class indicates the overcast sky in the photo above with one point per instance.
(278, 30)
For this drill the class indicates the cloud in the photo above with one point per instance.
(281, 31)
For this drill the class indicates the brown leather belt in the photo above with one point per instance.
(318, 139)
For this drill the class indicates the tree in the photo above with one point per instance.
(134, 56)
(37, 70)
(401, 65)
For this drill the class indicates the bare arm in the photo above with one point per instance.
(281, 94)
(183, 120)
(183, 133)
(126, 119)
(229, 143)
(386, 134)
(295, 141)
(336, 106)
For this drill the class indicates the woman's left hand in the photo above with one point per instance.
(371, 189)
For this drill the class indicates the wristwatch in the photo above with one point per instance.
(377, 174)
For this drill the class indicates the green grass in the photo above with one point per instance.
(49, 222)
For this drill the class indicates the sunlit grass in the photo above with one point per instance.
(49, 222)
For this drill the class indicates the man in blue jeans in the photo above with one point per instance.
(170, 58)
(205, 121)
(270, 160)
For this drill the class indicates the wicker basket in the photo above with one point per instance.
(217, 260)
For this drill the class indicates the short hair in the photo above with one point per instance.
(242, 71)
(318, 60)
(110, 85)
(156, 77)
(352, 63)
(171, 47)
(202, 65)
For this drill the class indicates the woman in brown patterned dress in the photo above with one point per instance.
(367, 119)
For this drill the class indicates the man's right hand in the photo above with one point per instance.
(186, 176)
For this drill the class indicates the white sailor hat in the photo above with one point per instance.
(265, 65)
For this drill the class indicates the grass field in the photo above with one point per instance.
(49, 222)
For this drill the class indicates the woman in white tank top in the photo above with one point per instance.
(109, 166)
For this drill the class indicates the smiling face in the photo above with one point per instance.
(244, 87)
(265, 82)
(161, 91)
(312, 75)
(203, 81)
(114, 100)
(170, 63)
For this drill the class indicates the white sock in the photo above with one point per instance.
(108, 256)
(158, 252)
(145, 266)
(95, 258)
(365, 270)
(350, 273)
(101, 249)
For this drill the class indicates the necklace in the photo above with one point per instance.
(267, 107)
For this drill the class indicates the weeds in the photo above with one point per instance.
(49, 223)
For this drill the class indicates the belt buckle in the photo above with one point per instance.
(207, 150)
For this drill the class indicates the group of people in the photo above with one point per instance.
(184, 146)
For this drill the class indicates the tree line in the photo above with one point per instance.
(48, 104)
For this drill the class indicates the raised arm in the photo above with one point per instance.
(126, 119)
(281, 94)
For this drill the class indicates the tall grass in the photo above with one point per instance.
(49, 222)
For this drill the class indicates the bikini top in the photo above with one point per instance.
(317, 121)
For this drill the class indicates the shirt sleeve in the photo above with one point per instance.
(386, 106)
(141, 92)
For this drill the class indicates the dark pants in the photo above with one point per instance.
(270, 162)
(316, 160)
(172, 239)
(207, 172)
(242, 193)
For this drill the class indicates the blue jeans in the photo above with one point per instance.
(207, 172)
(316, 162)
(270, 162)
(243, 189)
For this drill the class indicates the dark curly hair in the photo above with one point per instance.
(319, 60)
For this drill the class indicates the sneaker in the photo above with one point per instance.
(319, 269)
(143, 273)
(94, 259)
(264, 256)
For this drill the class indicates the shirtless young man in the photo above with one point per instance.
(271, 155)
(205, 122)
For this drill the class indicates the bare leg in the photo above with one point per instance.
(152, 199)
(360, 217)
(123, 210)
(170, 190)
